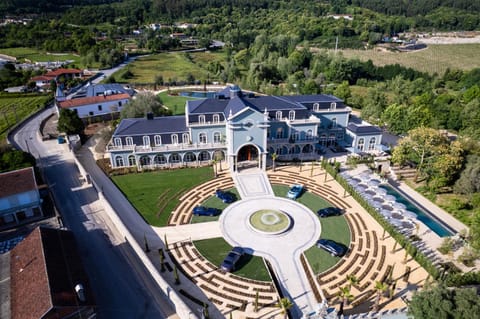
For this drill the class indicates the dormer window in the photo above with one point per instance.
(316, 107)
(334, 122)
(174, 139)
(185, 138)
(216, 118)
(146, 141)
(201, 119)
(278, 115)
(291, 115)
(158, 140)
(129, 140)
(333, 106)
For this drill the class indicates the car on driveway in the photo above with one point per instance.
(295, 191)
(332, 247)
(330, 211)
(206, 211)
(232, 259)
(224, 196)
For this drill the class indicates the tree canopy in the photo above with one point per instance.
(142, 104)
(442, 302)
(69, 122)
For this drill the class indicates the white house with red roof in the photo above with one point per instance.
(19, 197)
(44, 80)
(95, 106)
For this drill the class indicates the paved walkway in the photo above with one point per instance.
(253, 183)
(281, 250)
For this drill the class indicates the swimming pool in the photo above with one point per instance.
(199, 94)
(435, 225)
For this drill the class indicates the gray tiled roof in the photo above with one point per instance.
(363, 129)
(158, 125)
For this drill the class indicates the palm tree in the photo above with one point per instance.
(352, 280)
(284, 304)
(274, 158)
(345, 295)
(380, 288)
(214, 165)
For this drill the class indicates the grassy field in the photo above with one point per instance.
(436, 58)
(14, 109)
(156, 194)
(39, 56)
(176, 103)
(215, 250)
(172, 66)
(335, 228)
(215, 203)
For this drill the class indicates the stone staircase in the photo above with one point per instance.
(403, 172)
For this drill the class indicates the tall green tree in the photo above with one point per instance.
(142, 104)
(69, 122)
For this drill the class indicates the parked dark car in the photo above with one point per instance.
(295, 191)
(332, 247)
(330, 211)
(225, 197)
(232, 259)
(206, 211)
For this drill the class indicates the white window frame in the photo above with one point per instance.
(333, 106)
(334, 122)
(278, 115)
(119, 161)
(291, 115)
(202, 138)
(117, 141)
(371, 143)
(129, 140)
(185, 138)
(174, 139)
(132, 161)
(157, 140)
(309, 134)
(316, 107)
(146, 141)
(217, 137)
(201, 119)
(361, 144)
(216, 118)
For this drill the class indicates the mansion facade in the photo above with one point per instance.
(240, 128)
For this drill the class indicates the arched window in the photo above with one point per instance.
(279, 133)
(202, 138)
(131, 160)
(278, 115)
(333, 106)
(361, 144)
(145, 160)
(174, 139)
(316, 107)
(216, 118)
(158, 140)
(119, 161)
(291, 115)
(185, 138)
(295, 136)
(204, 156)
(189, 157)
(307, 149)
(159, 159)
(201, 119)
(129, 140)
(217, 137)
(146, 141)
(117, 141)
(371, 144)
(334, 122)
(309, 134)
(175, 158)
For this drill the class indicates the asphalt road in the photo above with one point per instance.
(121, 285)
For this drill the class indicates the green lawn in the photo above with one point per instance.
(436, 58)
(39, 56)
(156, 194)
(215, 203)
(176, 103)
(215, 250)
(335, 228)
(14, 109)
(172, 66)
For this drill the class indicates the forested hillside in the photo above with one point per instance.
(44, 6)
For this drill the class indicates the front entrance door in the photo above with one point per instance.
(247, 157)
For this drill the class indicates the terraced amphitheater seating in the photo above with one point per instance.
(226, 290)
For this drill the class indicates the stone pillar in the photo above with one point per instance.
(264, 162)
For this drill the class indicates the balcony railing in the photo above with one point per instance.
(164, 148)
(312, 139)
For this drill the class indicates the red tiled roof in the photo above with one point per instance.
(16, 182)
(61, 71)
(42, 78)
(44, 269)
(92, 100)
